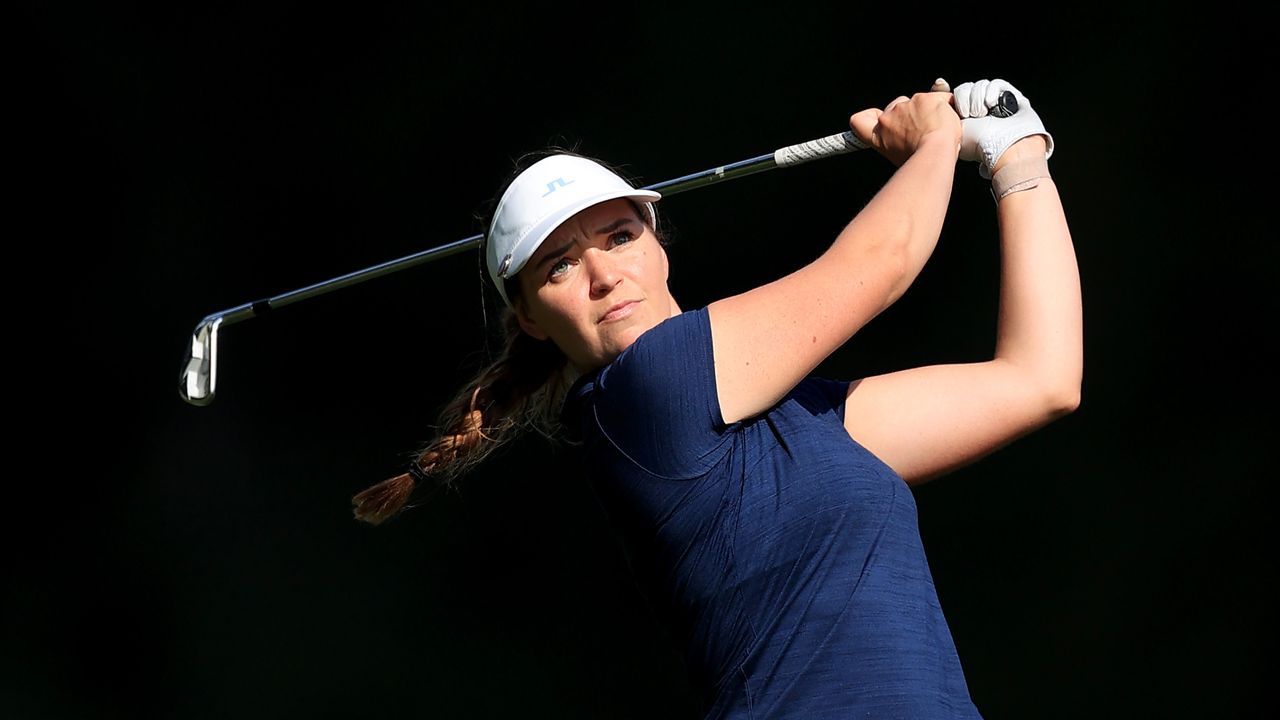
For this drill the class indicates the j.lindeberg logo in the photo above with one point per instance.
(552, 186)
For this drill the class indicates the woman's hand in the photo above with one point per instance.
(898, 130)
(985, 137)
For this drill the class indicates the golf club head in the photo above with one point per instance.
(200, 371)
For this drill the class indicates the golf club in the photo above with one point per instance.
(199, 375)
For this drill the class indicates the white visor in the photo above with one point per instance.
(546, 194)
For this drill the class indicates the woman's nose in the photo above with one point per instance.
(602, 269)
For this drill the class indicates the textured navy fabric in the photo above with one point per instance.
(782, 555)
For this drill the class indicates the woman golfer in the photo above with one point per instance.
(767, 512)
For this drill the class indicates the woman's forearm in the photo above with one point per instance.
(1040, 325)
(899, 227)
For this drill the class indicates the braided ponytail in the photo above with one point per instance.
(521, 391)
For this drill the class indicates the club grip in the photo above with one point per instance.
(814, 149)
(1006, 106)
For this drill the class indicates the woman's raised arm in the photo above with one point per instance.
(927, 421)
(767, 339)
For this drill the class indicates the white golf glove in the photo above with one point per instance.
(985, 137)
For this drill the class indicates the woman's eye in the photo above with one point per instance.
(561, 265)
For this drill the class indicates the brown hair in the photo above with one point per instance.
(523, 389)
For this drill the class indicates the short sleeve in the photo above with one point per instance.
(657, 402)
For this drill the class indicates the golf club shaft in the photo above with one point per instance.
(792, 155)
(199, 374)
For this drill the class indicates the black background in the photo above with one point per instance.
(171, 561)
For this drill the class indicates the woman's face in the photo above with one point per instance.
(595, 284)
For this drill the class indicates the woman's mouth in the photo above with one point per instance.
(619, 311)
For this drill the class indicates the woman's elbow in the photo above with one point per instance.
(1063, 400)
(1051, 394)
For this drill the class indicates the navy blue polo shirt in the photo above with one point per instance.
(783, 556)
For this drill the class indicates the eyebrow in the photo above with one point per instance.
(561, 250)
(615, 225)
